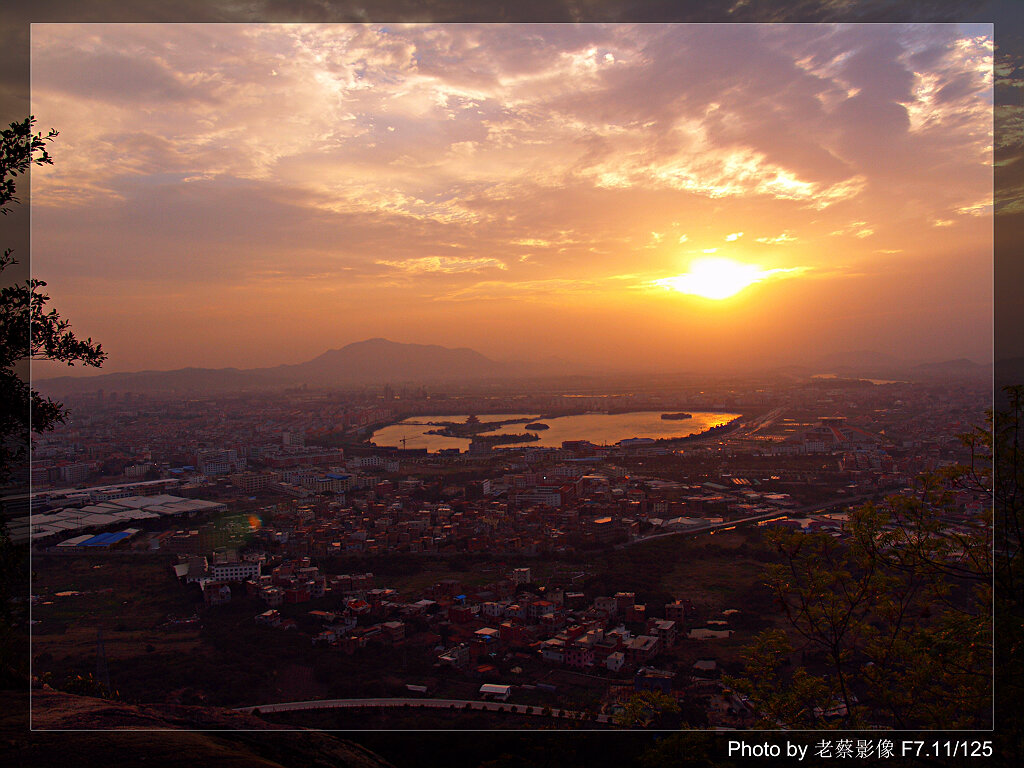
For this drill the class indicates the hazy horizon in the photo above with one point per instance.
(254, 195)
(855, 362)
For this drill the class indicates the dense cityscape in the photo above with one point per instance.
(277, 541)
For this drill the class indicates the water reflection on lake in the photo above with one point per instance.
(598, 428)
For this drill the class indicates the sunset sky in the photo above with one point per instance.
(660, 196)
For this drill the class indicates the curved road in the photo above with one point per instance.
(449, 704)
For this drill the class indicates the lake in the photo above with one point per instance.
(598, 428)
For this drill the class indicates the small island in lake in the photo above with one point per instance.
(676, 416)
(537, 425)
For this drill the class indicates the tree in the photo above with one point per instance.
(894, 623)
(648, 709)
(20, 149)
(1009, 571)
(27, 331)
(82, 685)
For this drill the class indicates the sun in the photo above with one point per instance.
(715, 278)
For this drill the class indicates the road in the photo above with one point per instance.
(774, 515)
(767, 420)
(448, 704)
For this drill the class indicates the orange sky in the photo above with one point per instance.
(249, 195)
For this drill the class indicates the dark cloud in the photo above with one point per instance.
(959, 87)
(113, 76)
(875, 68)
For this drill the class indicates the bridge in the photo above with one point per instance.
(451, 705)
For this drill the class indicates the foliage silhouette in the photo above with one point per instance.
(894, 623)
(27, 331)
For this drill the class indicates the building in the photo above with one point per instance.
(651, 679)
(614, 661)
(665, 630)
(640, 649)
(394, 630)
(675, 612)
(216, 594)
(136, 471)
(458, 657)
(579, 656)
(212, 463)
(254, 482)
(75, 473)
(496, 692)
(553, 650)
(607, 604)
(237, 570)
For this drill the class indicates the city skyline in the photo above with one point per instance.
(250, 195)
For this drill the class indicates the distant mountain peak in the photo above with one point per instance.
(380, 360)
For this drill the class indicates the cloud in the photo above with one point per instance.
(982, 208)
(522, 290)
(120, 78)
(542, 157)
(859, 229)
(785, 237)
(444, 264)
(618, 107)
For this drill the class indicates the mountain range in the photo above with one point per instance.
(379, 361)
(374, 361)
